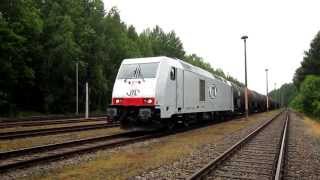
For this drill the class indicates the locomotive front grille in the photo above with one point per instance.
(144, 113)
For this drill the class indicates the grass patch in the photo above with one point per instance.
(314, 126)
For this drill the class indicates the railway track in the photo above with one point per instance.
(259, 155)
(48, 122)
(50, 131)
(27, 157)
(43, 154)
(48, 117)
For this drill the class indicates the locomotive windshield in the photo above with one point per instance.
(139, 70)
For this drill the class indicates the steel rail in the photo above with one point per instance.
(48, 148)
(203, 172)
(45, 148)
(48, 122)
(280, 159)
(50, 131)
(49, 117)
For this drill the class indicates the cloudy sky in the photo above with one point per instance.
(279, 32)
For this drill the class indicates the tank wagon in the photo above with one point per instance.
(158, 92)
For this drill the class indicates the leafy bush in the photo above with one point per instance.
(308, 99)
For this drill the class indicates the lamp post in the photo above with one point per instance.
(87, 107)
(275, 93)
(87, 101)
(280, 101)
(77, 89)
(245, 70)
(267, 89)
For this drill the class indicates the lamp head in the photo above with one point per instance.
(244, 37)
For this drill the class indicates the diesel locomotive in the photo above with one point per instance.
(157, 92)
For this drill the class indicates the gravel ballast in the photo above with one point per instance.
(303, 151)
(185, 167)
(134, 159)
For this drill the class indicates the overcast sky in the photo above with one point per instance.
(279, 32)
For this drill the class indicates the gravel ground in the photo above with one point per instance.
(130, 160)
(303, 155)
(185, 167)
(25, 128)
(256, 158)
(7, 145)
(302, 160)
(42, 171)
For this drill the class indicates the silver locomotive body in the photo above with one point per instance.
(160, 91)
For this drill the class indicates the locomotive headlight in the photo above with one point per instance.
(149, 101)
(117, 100)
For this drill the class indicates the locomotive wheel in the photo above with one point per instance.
(171, 125)
(186, 123)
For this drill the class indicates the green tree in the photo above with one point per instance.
(164, 44)
(120, 43)
(311, 62)
(285, 94)
(20, 27)
(41, 41)
(308, 99)
(307, 81)
(57, 58)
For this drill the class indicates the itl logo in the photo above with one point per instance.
(133, 92)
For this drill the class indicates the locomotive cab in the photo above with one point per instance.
(134, 93)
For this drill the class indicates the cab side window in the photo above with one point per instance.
(202, 90)
(173, 73)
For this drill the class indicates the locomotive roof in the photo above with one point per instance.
(176, 63)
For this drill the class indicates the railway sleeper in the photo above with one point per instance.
(248, 170)
(240, 176)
